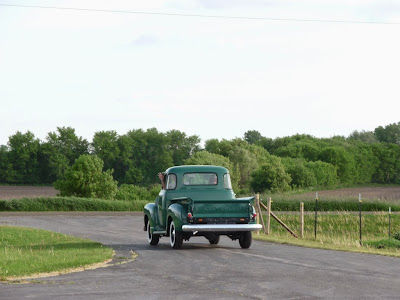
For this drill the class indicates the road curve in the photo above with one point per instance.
(203, 271)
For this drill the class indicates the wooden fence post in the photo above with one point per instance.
(276, 218)
(302, 219)
(269, 215)
(260, 212)
(257, 205)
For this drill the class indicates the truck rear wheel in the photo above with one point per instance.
(175, 237)
(245, 239)
(152, 238)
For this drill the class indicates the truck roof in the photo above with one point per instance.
(197, 168)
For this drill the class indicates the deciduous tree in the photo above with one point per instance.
(389, 133)
(105, 146)
(181, 146)
(23, 158)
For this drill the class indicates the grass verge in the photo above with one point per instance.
(339, 232)
(383, 244)
(27, 251)
(285, 204)
(85, 204)
(70, 204)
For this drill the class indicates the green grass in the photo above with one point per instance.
(279, 204)
(27, 251)
(338, 231)
(70, 204)
(383, 244)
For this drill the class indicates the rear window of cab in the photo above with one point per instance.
(210, 179)
(200, 179)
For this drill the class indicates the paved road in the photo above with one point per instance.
(203, 271)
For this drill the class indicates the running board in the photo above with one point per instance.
(160, 232)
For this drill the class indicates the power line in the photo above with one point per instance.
(198, 15)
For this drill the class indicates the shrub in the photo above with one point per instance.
(85, 178)
(325, 173)
(343, 160)
(397, 236)
(130, 192)
(154, 191)
(302, 177)
(270, 176)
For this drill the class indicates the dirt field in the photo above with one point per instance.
(14, 192)
(391, 193)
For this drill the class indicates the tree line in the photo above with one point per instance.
(257, 163)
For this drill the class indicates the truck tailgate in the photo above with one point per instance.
(236, 208)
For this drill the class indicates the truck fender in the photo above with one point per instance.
(177, 213)
(150, 215)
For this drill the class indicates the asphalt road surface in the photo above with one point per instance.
(201, 270)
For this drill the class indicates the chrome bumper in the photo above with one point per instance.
(221, 227)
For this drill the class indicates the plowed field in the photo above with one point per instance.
(390, 194)
(15, 192)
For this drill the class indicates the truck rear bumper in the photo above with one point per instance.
(221, 227)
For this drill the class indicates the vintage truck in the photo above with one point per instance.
(199, 201)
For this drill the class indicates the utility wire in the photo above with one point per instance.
(198, 15)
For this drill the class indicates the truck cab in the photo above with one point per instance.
(199, 201)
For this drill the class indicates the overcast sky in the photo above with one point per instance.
(282, 68)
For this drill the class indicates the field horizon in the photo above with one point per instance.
(382, 193)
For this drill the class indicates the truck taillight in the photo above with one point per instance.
(190, 215)
(254, 215)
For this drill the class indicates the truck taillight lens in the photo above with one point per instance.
(190, 215)
(254, 215)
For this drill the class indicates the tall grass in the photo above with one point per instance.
(337, 231)
(280, 204)
(70, 204)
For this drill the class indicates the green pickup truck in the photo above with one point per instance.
(199, 201)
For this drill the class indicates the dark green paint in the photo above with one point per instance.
(202, 201)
